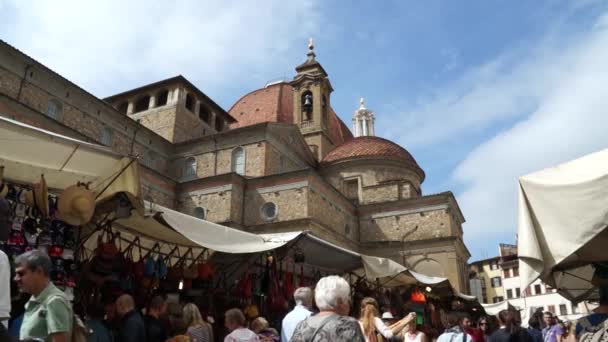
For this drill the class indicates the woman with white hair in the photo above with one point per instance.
(332, 295)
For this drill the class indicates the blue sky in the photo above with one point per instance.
(480, 92)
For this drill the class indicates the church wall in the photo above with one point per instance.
(392, 226)
(160, 120)
(155, 188)
(217, 203)
(438, 257)
(277, 163)
(208, 166)
(187, 124)
(380, 193)
(332, 215)
(80, 111)
(378, 183)
(291, 201)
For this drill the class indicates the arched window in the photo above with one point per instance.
(219, 124)
(189, 102)
(307, 102)
(123, 107)
(142, 104)
(107, 136)
(161, 98)
(190, 167)
(203, 113)
(200, 213)
(238, 160)
(54, 109)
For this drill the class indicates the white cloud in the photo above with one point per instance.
(570, 120)
(109, 46)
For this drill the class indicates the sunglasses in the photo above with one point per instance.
(483, 323)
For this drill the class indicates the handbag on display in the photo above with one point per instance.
(150, 266)
(277, 299)
(105, 253)
(139, 269)
(206, 269)
(176, 272)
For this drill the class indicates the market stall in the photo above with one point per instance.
(51, 184)
(563, 215)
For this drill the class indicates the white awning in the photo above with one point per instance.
(27, 152)
(217, 237)
(563, 215)
(494, 308)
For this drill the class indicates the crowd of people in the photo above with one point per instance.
(49, 317)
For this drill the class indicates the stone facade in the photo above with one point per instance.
(268, 175)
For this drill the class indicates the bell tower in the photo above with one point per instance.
(311, 96)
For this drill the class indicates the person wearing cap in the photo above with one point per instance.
(5, 267)
(48, 313)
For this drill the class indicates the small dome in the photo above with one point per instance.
(374, 148)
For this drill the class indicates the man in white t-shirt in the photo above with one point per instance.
(5, 267)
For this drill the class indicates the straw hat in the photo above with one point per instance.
(76, 205)
(3, 186)
(39, 197)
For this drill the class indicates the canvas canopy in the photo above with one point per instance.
(563, 214)
(27, 152)
(494, 308)
(168, 230)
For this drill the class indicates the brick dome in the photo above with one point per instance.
(274, 103)
(370, 147)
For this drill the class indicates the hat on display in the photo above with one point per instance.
(3, 185)
(5, 219)
(38, 197)
(76, 205)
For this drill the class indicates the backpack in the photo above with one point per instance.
(593, 333)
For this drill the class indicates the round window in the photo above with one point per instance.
(199, 213)
(269, 211)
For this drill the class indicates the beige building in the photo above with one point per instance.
(486, 280)
(280, 159)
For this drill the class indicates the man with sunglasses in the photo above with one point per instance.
(48, 313)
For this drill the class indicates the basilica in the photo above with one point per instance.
(279, 159)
